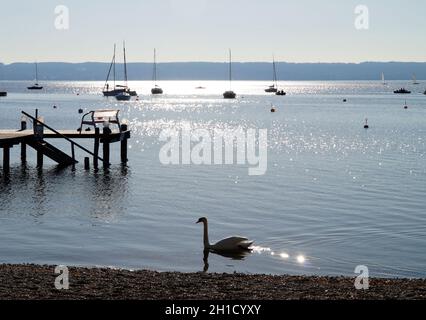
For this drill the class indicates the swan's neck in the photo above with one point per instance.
(206, 236)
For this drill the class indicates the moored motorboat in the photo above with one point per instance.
(402, 91)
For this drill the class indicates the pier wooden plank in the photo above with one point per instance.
(10, 135)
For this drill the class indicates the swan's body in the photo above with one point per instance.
(231, 244)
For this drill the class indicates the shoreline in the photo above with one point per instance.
(36, 282)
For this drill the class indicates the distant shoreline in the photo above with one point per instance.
(27, 282)
(256, 71)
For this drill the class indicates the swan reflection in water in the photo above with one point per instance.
(236, 256)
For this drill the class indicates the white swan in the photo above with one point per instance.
(232, 244)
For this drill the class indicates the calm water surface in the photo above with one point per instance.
(334, 196)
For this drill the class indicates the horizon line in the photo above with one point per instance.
(204, 61)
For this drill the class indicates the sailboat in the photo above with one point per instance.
(383, 79)
(230, 94)
(36, 86)
(124, 96)
(274, 87)
(117, 89)
(415, 79)
(156, 89)
(3, 93)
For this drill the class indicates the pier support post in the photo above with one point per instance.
(106, 144)
(39, 159)
(96, 149)
(23, 144)
(124, 145)
(87, 163)
(6, 158)
(38, 133)
(23, 152)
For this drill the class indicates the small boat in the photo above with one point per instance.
(281, 93)
(415, 79)
(36, 86)
(273, 88)
(230, 94)
(200, 88)
(156, 89)
(3, 94)
(124, 96)
(366, 126)
(402, 91)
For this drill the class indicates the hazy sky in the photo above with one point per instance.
(202, 30)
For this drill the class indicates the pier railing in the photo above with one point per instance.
(73, 143)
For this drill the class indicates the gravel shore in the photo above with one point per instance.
(25, 282)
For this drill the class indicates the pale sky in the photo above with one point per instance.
(203, 30)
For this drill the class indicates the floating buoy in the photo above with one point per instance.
(55, 107)
(366, 126)
(273, 109)
(80, 110)
(344, 100)
(405, 106)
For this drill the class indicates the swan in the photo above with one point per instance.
(232, 244)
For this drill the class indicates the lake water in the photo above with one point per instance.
(334, 195)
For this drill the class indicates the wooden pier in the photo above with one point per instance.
(36, 139)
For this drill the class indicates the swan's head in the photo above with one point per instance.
(202, 220)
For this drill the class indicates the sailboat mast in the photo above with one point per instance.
(155, 67)
(125, 64)
(36, 67)
(230, 69)
(113, 59)
(275, 72)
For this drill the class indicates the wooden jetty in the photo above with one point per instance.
(36, 139)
